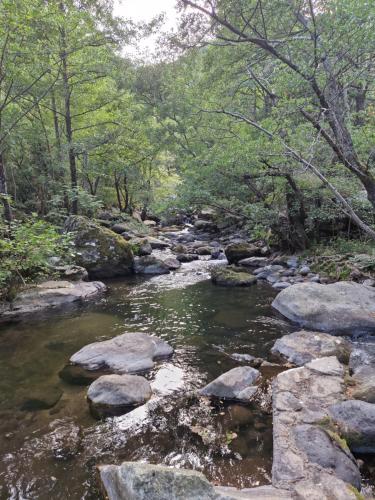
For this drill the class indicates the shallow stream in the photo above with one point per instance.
(52, 453)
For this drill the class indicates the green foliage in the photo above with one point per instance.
(25, 248)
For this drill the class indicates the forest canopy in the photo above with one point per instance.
(260, 109)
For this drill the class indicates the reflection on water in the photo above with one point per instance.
(51, 444)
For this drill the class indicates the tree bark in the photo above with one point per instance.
(8, 213)
(68, 118)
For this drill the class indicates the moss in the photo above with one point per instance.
(355, 492)
(339, 440)
(328, 425)
(229, 276)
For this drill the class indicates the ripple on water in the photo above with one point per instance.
(183, 308)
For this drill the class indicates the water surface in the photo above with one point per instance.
(52, 453)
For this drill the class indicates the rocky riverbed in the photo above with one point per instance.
(190, 369)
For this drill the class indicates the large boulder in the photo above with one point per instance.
(50, 294)
(157, 244)
(137, 481)
(127, 353)
(205, 225)
(172, 263)
(302, 347)
(140, 481)
(150, 265)
(303, 451)
(186, 257)
(343, 307)
(356, 423)
(115, 394)
(101, 251)
(231, 276)
(236, 384)
(320, 449)
(235, 252)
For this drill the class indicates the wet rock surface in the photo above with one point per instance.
(303, 450)
(127, 353)
(50, 294)
(236, 384)
(136, 481)
(150, 265)
(356, 423)
(342, 307)
(302, 347)
(113, 395)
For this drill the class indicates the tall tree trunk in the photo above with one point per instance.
(8, 214)
(68, 118)
(118, 193)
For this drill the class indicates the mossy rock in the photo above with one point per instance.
(102, 252)
(231, 276)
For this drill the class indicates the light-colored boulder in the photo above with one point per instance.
(127, 353)
(236, 384)
(302, 347)
(51, 294)
(303, 451)
(342, 307)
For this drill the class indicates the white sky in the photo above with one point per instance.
(145, 11)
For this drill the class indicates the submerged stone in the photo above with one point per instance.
(113, 395)
(50, 294)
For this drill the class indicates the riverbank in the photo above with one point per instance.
(212, 329)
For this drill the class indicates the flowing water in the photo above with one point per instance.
(51, 453)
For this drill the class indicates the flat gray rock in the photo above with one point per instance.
(302, 347)
(51, 294)
(303, 452)
(356, 422)
(321, 449)
(127, 353)
(114, 394)
(236, 384)
(342, 307)
(253, 262)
